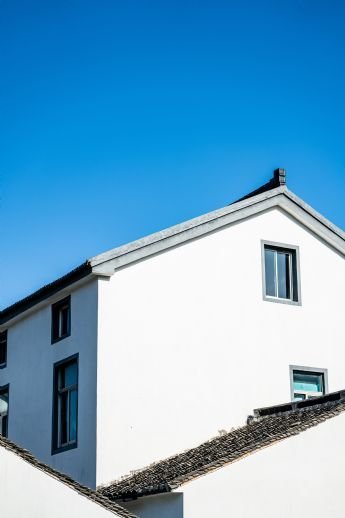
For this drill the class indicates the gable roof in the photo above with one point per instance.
(287, 420)
(272, 194)
(95, 496)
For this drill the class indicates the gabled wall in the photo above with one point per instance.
(301, 476)
(187, 346)
(29, 372)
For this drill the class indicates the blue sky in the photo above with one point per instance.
(118, 119)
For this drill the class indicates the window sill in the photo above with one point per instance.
(55, 340)
(3, 365)
(282, 301)
(67, 447)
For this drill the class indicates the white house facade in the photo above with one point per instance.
(153, 347)
(288, 463)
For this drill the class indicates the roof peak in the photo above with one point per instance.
(278, 180)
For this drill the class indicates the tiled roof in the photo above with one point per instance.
(259, 433)
(95, 496)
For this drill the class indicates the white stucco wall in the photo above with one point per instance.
(27, 492)
(187, 346)
(169, 505)
(301, 476)
(29, 372)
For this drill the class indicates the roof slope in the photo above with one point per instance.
(272, 194)
(95, 496)
(261, 432)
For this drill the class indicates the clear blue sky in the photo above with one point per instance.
(119, 118)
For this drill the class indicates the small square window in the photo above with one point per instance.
(65, 404)
(280, 273)
(61, 319)
(3, 349)
(308, 383)
(4, 411)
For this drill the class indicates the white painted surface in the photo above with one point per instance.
(301, 476)
(27, 492)
(168, 505)
(187, 346)
(29, 372)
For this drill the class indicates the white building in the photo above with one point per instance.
(30, 489)
(151, 348)
(287, 462)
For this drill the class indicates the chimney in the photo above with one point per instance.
(279, 176)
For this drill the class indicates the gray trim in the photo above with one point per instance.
(106, 263)
(285, 246)
(307, 369)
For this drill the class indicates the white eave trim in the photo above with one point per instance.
(108, 262)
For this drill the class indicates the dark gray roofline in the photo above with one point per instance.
(46, 291)
(260, 432)
(91, 494)
(273, 194)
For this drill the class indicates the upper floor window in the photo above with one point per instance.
(308, 383)
(61, 319)
(4, 411)
(65, 409)
(281, 273)
(3, 349)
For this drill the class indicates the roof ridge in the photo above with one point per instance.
(170, 473)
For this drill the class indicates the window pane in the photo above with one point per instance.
(64, 320)
(70, 374)
(270, 272)
(299, 397)
(73, 415)
(308, 382)
(283, 262)
(63, 400)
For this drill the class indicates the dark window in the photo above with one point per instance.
(3, 349)
(65, 412)
(4, 411)
(281, 280)
(61, 319)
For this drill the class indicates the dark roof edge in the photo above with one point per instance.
(46, 291)
(297, 405)
(91, 494)
(278, 180)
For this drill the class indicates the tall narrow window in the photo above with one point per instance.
(4, 411)
(3, 349)
(280, 274)
(308, 383)
(61, 319)
(65, 413)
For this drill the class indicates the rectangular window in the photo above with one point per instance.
(3, 349)
(280, 273)
(65, 411)
(4, 410)
(61, 319)
(308, 383)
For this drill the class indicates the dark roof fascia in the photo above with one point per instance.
(91, 494)
(169, 474)
(46, 291)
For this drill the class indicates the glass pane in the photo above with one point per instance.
(3, 348)
(64, 320)
(270, 272)
(70, 374)
(63, 403)
(4, 403)
(73, 415)
(283, 262)
(308, 381)
(299, 397)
